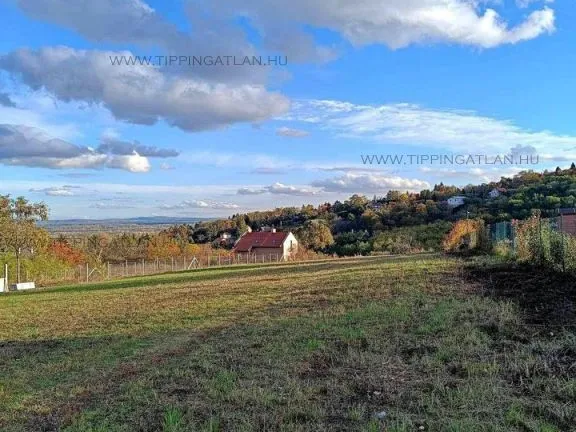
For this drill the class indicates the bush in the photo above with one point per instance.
(503, 249)
(540, 243)
(467, 235)
(40, 268)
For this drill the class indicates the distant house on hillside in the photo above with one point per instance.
(456, 201)
(226, 239)
(268, 244)
(496, 192)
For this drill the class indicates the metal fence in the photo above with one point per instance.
(549, 242)
(143, 267)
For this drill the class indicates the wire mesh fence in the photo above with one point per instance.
(143, 267)
(547, 242)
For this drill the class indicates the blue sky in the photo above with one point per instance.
(401, 77)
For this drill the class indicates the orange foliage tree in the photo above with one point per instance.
(466, 234)
(62, 250)
(162, 246)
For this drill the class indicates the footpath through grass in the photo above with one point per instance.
(365, 344)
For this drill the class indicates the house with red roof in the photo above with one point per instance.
(268, 245)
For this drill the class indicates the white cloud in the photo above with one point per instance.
(291, 133)
(33, 147)
(57, 191)
(283, 26)
(133, 163)
(200, 204)
(395, 23)
(251, 191)
(409, 124)
(354, 182)
(278, 189)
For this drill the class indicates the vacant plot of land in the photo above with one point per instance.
(364, 344)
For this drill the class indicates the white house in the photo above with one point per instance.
(268, 244)
(495, 193)
(456, 201)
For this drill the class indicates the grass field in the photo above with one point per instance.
(371, 344)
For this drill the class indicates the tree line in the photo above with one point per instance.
(398, 222)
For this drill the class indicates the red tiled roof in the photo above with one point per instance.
(253, 240)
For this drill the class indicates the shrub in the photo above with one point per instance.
(503, 249)
(465, 236)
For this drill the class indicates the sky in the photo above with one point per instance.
(131, 108)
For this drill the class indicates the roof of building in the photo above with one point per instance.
(260, 239)
(567, 211)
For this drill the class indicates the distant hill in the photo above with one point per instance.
(137, 224)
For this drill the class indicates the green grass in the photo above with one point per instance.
(317, 347)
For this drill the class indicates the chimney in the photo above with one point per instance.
(273, 230)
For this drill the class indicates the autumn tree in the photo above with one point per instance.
(18, 230)
(62, 250)
(315, 234)
(162, 246)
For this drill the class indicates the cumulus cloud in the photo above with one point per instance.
(251, 191)
(200, 204)
(283, 26)
(411, 124)
(291, 133)
(141, 94)
(135, 22)
(395, 23)
(278, 189)
(29, 146)
(369, 183)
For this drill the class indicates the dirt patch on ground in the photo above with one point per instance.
(545, 297)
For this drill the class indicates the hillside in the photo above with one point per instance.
(364, 344)
(361, 225)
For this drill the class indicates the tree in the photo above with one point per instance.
(241, 225)
(18, 230)
(162, 246)
(62, 250)
(314, 234)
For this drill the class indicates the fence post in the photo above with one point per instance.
(541, 242)
(108, 266)
(87, 274)
(563, 250)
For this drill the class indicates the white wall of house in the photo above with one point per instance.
(456, 201)
(290, 246)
